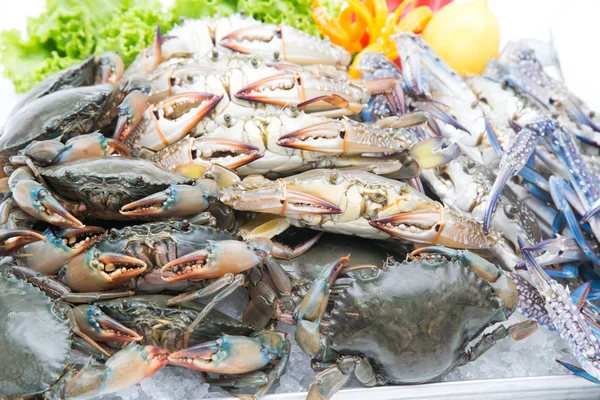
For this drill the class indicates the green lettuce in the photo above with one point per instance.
(202, 8)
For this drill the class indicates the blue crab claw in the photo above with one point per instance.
(493, 138)
(95, 271)
(93, 322)
(578, 114)
(502, 285)
(430, 152)
(506, 172)
(542, 280)
(14, 239)
(176, 201)
(309, 312)
(60, 246)
(38, 202)
(230, 354)
(580, 294)
(110, 68)
(558, 250)
(578, 371)
(438, 112)
(285, 43)
(557, 187)
(217, 259)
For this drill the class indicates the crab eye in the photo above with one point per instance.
(511, 212)
(342, 133)
(334, 178)
(469, 167)
(276, 55)
(114, 233)
(278, 33)
(190, 78)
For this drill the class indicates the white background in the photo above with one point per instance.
(574, 26)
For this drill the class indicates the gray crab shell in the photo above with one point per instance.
(415, 319)
(34, 339)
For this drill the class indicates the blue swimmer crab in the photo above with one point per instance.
(408, 322)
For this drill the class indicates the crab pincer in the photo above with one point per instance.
(14, 239)
(94, 323)
(95, 270)
(217, 259)
(37, 201)
(177, 200)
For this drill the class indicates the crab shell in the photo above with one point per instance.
(30, 366)
(414, 319)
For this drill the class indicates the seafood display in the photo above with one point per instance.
(395, 218)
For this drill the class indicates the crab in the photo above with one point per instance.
(409, 322)
(106, 188)
(242, 356)
(30, 368)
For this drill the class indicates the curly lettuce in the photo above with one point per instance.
(69, 31)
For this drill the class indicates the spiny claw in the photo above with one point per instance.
(95, 271)
(558, 251)
(93, 322)
(217, 259)
(286, 43)
(206, 151)
(506, 172)
(346, 136)
(436, 225)
(164, 123)
(429, 153)
(131, 111)
(276, 199)
(231, 354)
(14, 239)
(310, 92)
(176, 201)
(38, 202)
(60, 246)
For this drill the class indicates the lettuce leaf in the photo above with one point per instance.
(202, 8)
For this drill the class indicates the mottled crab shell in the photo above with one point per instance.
(35, 341)
(415, 319)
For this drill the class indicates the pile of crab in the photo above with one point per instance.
(136, 200)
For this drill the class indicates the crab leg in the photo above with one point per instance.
(125, 368)
(332, 379)
(309, 312)
(518, 331)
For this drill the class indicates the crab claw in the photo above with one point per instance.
(230, 154)
(84, 146)
(164, 123)
(38, 202)
(276, 199)
(502, 285)
(217, 259)
(95, 271)
(346, 136)
(309, 92)
(110, 68)
(231, 354)
(286, 43)
(176, 201)
(93, 322)
(309, 312)
(429, 153)
(14, 239)
(59, 247)
(437, 225)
